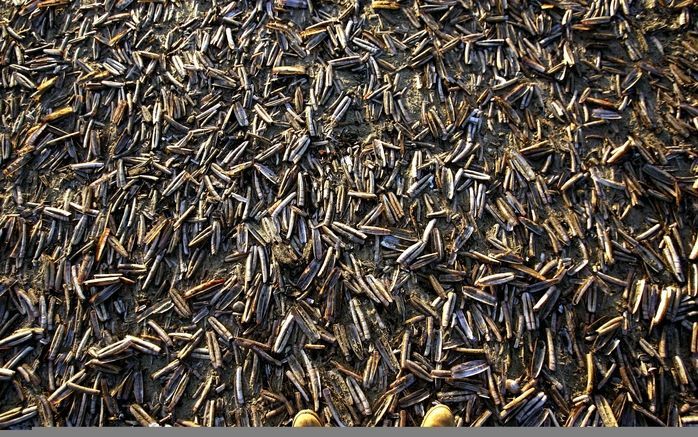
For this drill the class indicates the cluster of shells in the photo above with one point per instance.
(218, 213)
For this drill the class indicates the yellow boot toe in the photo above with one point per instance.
(306, 418)
(438, 416)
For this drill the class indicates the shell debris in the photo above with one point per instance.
(221, 213)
